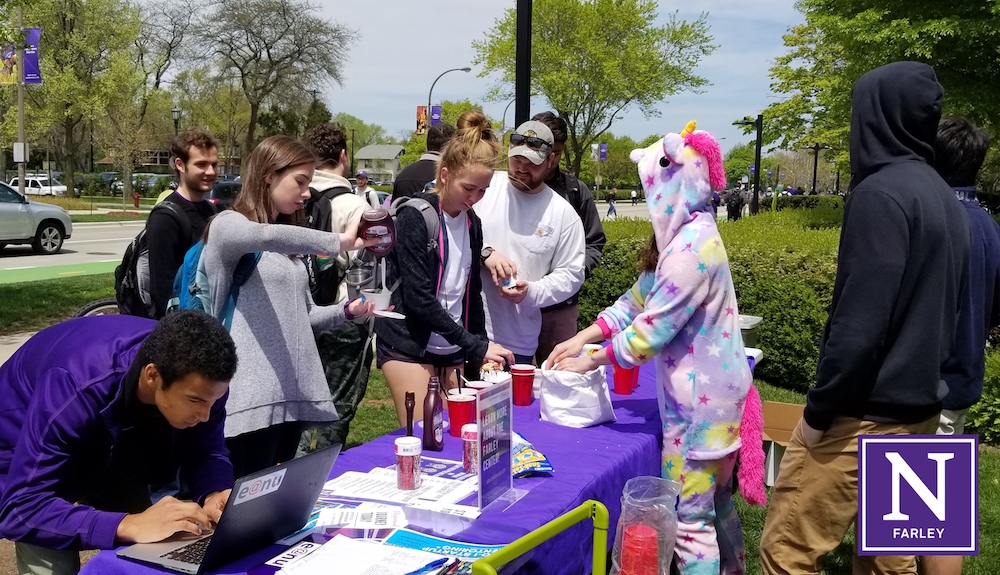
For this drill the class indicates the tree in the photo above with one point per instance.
(84, 43)
(359, 134)
(843, 39)
(416, 146)
(217, 102)
(275, 48)
(594, 59)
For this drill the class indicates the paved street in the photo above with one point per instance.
(94, 248)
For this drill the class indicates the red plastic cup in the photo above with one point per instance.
(522, 381)
(461, 410)
(626, 379)
(640, 550)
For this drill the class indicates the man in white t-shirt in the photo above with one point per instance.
(534, 243)
(635, 196)
(365, 191)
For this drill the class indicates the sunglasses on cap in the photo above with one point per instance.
(531, 141)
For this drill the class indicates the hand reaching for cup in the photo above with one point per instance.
(501, 268)
(515, 292)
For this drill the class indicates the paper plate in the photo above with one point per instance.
(389, 314)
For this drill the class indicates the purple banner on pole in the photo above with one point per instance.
(32, 73)
(435, 115)
(604, 152)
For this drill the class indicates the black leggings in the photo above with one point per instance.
(264, 448)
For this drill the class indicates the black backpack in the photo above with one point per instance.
(324, 273)
(132, 281)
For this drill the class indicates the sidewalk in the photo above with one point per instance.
(10, 343)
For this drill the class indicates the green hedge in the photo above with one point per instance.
(984, 416)
(802, 202)
(619, 268)
(783, 265)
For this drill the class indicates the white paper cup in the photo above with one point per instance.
(477, 385)
(466, 390)
(378, 297)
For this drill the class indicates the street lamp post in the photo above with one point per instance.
(352, 150)
(466, 69)
(759, 125)
(815, 149)
(176, 114)
(503, 121)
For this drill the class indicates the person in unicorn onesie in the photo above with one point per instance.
(682, 314)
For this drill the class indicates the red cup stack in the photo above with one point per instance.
(461, 410)
(522, 380)
(640, 551)
(626, 379)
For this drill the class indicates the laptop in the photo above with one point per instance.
(263, 507)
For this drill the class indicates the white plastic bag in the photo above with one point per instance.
(575, 399)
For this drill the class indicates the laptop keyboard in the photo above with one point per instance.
(192, 553)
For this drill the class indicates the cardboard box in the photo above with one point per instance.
(780, 420)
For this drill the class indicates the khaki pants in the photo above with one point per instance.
(35, 560)
(815, 500)
(557, 326)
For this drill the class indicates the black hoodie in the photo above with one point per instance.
(903, 249)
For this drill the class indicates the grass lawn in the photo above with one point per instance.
(109, 217)
(34, 305)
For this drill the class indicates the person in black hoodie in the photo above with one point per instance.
(196, 162)
(904, 246)
(440, 290)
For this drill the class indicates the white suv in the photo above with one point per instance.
(41, 186)
(23, 221)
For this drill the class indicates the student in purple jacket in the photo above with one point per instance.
(95, 410)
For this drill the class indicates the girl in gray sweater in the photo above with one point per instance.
(279, 388)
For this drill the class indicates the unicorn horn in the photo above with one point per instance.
(688, 129)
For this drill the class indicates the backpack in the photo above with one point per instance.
(132, 281)
(325, 275)
(191, 290)
(432, 220)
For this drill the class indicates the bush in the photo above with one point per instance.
(803, 202)
(784, 265)
(619, 268)
(984, 416)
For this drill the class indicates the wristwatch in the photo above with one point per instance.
(487, 251)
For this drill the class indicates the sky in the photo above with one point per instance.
(396, 58)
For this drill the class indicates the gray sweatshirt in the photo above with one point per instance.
(279, 377)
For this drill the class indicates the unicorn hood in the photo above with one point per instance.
(679, 173)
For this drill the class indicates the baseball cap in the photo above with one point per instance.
(362, 174)
(533, 140)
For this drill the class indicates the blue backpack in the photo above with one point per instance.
(191, 284)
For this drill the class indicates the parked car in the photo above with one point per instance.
(42, 186)
(141, 181)
(223, 193)
(23, 221)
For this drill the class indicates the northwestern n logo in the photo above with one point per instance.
(918, 495)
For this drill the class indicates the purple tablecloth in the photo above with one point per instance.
(592, 463)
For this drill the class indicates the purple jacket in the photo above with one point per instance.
(67, 394)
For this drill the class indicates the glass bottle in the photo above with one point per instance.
(410, 403)
(433, 417)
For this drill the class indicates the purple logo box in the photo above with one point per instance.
(918, 495)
